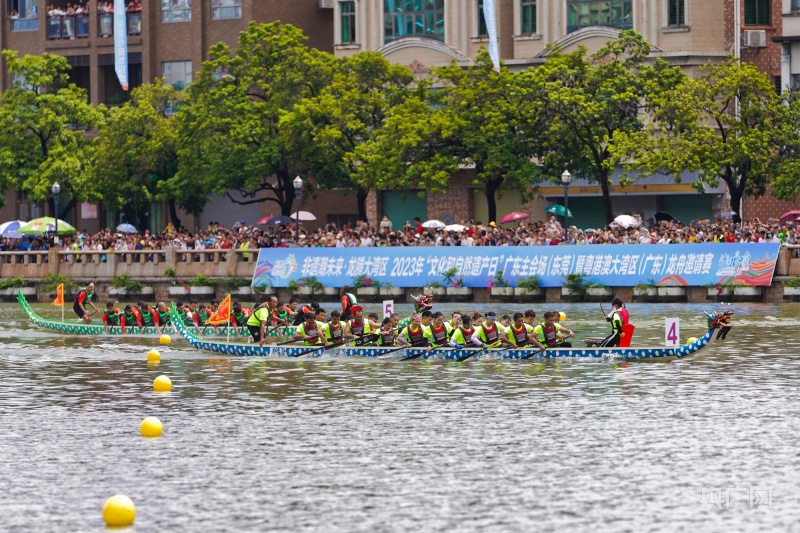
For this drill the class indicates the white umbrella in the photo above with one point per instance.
(303, 215)
(454, 227)
(627, 221)
(9, 229)
(433, 224)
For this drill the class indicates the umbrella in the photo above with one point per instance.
(10, 229)
(264, 220)
(662, 215)
(454, 227)
(280, 220)
(433, 224)
(556, 209)
(127, 228)
(792, 215)
(627, 221)
(40, 226)
(725, 214)
(303, 215)
(514, 216)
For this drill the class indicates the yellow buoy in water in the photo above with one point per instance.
(165, 339)
(151, 427)
(690, 340)
(162, 384)
(119, 511)
(153, 356)
(562, 316)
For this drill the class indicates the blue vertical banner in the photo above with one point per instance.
(491, 29)
(121, 43)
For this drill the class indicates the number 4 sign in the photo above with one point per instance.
(673, 331)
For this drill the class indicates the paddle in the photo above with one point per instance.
(528, 356)
(317, 348)
(419, 343)
(473, 353)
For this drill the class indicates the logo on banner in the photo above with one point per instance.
(733, 265)
(284, 268)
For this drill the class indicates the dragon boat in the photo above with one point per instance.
(719, 325)
(71, 327)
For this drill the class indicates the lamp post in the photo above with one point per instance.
(566, 177)
(56, 189)
(298, 185)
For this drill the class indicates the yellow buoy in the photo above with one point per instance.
(151, 427)
(162, 384)
(690, 340)
(153, 356)
(119, 511)
(562, 316)
(165, 339)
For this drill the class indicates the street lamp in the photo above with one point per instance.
(298, 184)
(566, 177)
(56, 189)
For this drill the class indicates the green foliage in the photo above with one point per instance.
(169, 272)
(311, 282)
(792, 282)
(644, 286)
(200, 280)
(529, 284)
(124, 281)
(449, 278)
(293, 286)
(233, 283)
(498, 280)
(51, 282)
(365, 281)
(14, 283)
(576, 284)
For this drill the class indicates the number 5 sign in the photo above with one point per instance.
(388, 308)
(672, 329)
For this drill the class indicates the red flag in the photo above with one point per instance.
(223, 314)
(59, 296)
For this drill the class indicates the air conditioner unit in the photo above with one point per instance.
(755, 38)
(327, 4)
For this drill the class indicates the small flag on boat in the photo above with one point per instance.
(223, 313)
(59, 295)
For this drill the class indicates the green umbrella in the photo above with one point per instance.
(556, 209)
(40, 226)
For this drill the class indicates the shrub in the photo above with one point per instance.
(51, 282)
(124, 281)
(14, 283)
(792, 282)
(201, 280)
(576, 284)
(529, 284)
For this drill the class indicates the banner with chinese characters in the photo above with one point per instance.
(618, 265)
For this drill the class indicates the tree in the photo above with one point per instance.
(587, 101)
(136, 152)
(346, 114)
(43, 121)
(231, 136)
(728, 124)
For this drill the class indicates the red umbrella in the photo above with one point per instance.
(790, 214)
(513, 217)
(264, 220)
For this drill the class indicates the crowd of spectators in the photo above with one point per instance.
(525, 233)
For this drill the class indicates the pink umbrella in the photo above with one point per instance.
(513, 217)
(264, 220)
(790, 214)
(304, 215)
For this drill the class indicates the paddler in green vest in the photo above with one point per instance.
(200, 317)
(549, 333)
(239, 317)
(489, 335)
(357, 327)
(129, 318)
(147, 316)
(311, 332)
(110, 316)
(164, 319)
(462, 335)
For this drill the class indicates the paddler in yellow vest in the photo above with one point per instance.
(334, 330)
(357, 327)
(311, 332)
(462, 335)
(257, 323)
(414, 333)
(438, 333)
(386, 336)
(489, 335)
(521, 333)
(455, 321)
(549, 333)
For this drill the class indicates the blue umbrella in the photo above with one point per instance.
(9, 229)
(127, 228)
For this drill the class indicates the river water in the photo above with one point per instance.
(707, 443)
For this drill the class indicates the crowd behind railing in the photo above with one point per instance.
(72, 21)
(217, 237)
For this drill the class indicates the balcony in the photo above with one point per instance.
(25, 24)
(70, 27)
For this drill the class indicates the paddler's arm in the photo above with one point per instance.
(401, 339)
(263, 330)
(476, 340)
(347, 333)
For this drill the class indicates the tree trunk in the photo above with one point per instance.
(286, 194)
(65, 208)
(609, 213)
(736, 199)
(361, 195)
(173, 214)
(491, 188)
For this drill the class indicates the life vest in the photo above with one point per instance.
(112, 319)
(87, 296)
(311, 332)
(348, 301)
(359, 328)
(623, 313)
(414, 336)
(187, 318)
(439, 335)
(239, 319)
(164, 318)
(129, 319)
(201, 317)
(490, 336)
(463, 336)
(386, 338)
(334, 332)
(147, 318)
(521, 336)
(616, 322)
(548, 337)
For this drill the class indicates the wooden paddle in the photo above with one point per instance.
(528, 356)
(403, 348)
(475, 352)
(319, 347)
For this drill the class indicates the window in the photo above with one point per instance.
(24, 14)
(677, 13)
(177, 73)
(348, 20)
(615, 13)
(413, 18)
(757, 13)
(528, 12)
(176, 10)
(482, 31)
(795, 5)
(226, 9)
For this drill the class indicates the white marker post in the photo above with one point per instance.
(388, 308)
(672, 331)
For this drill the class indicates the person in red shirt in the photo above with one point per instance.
(111, 316)
(129, 317)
